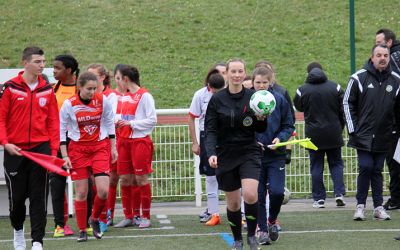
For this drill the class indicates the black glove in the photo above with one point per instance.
(288, 157)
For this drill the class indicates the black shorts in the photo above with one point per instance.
(237, 163)
(204, 166)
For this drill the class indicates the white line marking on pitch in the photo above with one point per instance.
(150, 228)
(164, 221)
(214, 234)
(341, 230)
(161, 216)
(131, 229)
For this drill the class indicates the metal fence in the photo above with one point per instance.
(175, 172)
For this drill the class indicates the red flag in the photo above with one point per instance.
(48, 162)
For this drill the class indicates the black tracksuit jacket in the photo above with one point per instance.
(371, 104)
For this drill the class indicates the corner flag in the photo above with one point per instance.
(48, 162)
(306, 143)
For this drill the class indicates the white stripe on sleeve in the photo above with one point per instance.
(346, 108)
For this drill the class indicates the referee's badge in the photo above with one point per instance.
(389, 88)
(247, 121)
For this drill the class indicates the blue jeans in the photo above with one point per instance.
(335, 163)
(272, 177)
(370, 166)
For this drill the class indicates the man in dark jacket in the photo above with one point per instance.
(321, 102)
(388, 37)
(371, 103)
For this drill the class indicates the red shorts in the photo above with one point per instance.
(89, 157)
(135, 156)
(113, 166)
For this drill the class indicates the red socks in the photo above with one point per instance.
(136, 200)
(103, 214)
(81, 214)
(98, 207)
(112, 195)
(126, 201)
(146, 200)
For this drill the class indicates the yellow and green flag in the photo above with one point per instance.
(306, 143)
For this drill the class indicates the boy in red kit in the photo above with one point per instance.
(136, 118)
(29, 121)
(89, 119)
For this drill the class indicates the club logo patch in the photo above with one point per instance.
(13, 173)
(90, 129)
(42, 102)
(247, 121)
(389, 88)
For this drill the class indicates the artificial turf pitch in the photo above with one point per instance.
(317, 229)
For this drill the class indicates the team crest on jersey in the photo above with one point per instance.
(247, 121)
(90, 129)
(389, 88)
(42, 101)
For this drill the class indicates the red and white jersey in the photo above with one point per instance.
(113, 97)
(137, 108)
(199, 104)
(86, 122)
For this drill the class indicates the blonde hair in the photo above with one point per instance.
(234, 60)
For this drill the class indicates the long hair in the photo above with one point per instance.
(103, 72)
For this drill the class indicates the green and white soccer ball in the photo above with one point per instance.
(263, 102)
(286, 196)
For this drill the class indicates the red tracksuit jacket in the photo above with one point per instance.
(29, 118)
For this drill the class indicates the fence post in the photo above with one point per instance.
(70, 196)
(197, 177)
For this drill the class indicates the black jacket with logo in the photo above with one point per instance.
(321, 102)
(371, 104)
(395, 57)
(230, 122)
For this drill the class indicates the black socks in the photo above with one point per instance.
(251, 211)
(235, 221)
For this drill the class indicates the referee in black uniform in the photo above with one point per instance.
(232, 149)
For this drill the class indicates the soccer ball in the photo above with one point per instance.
(286, 196)
(262, 102)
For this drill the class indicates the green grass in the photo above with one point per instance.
(175, 42)
(295, 235)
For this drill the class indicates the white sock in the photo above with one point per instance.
(242, 202)
(267, 204)
(212, 194)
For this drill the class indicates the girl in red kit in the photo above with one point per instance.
(114, 96)
(103, 78)
(136, 118)
(89, 119)
(104, 87)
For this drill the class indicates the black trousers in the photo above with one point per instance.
(394, 172)
(27, 180)
(57, 189)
